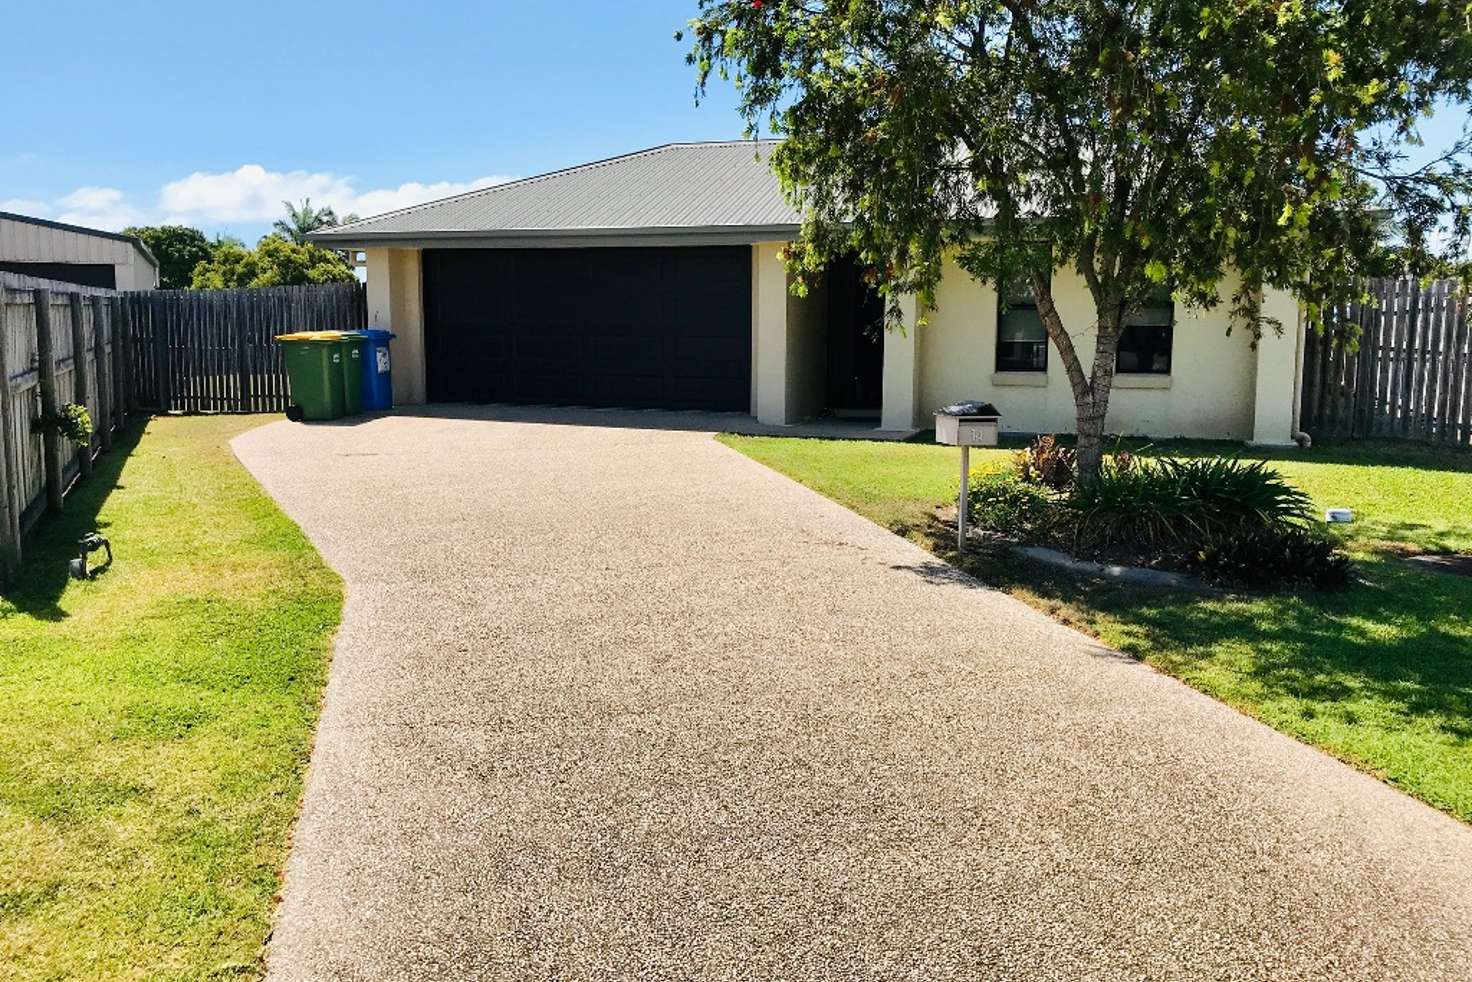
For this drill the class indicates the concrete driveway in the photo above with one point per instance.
(616, 702)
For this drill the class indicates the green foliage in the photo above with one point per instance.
(71, 421)
(1002, 502)
(178, 249)
(1144, 145)
(1047, 462)
(1181, 504)
(274, 262)
(1268, 558)
(301, 220)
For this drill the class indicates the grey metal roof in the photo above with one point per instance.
(715, 191)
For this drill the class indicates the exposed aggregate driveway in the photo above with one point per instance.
(614, 702)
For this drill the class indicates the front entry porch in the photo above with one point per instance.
(827, 355)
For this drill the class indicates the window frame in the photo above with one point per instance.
(1161, 299)
(1003, 308)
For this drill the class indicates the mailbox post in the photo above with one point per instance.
(966, 425)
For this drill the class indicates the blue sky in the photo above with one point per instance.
(211, 114)
(147, 111)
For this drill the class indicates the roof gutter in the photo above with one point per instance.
(558, 238)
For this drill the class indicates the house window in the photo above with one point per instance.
(1022, 340)
(1145, 343)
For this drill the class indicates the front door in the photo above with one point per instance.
(855, 341)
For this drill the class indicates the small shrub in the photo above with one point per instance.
(1268, 558)
(71, 421)
(1048, 463)
(1001, 502)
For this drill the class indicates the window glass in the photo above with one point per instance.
(1022, 340)
(1145, 344)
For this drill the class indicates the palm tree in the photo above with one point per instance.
(303, 219)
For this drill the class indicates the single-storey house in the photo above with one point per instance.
(74, 254)
(655, 280)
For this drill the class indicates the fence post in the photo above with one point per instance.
(119, 371)
(161, 355)
(104, 372)
(46, 377)
(242, 348)
(128, 373)
(10, 492)
(79, 377)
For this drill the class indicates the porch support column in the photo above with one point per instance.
(769, 334)
(396, 303)
(900, 408)
(1279, 372)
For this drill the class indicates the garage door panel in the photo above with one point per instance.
(639, 327)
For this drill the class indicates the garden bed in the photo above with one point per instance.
(1233, 522)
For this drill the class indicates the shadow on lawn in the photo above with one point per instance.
(1398, 642)
(53, 541)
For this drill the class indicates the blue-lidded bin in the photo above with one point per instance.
(378, 378)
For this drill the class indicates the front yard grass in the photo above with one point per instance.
(1379, 675)
(155, 723)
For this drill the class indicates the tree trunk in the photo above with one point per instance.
(1093, 410)
(1090, 422)
(1091, 392)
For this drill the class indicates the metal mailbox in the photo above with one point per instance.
(967, 424)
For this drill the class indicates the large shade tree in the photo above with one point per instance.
(274, 261)
(178, 249)
(1149, 146)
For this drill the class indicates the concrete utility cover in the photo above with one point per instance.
(620, 703)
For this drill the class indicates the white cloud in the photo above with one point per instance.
(98, 207)
(24, 206)
(392, 199)
(249, 194)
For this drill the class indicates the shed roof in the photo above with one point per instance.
(682, 191)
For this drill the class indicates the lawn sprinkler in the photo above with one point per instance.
(86, 546)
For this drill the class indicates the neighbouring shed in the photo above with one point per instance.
(73, 254)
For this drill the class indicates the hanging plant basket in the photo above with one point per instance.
(71, 421)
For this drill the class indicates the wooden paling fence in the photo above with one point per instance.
(1410, 377)
(59, 344)
(215, 351)
(186, 351)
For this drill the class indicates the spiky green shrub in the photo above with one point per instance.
(1182, 503)
(1269, 558)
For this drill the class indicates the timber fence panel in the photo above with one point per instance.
(1410, 375)
(55, 348)
(215, 351)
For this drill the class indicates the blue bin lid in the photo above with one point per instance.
(374, 334)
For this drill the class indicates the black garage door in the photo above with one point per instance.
(658, 328)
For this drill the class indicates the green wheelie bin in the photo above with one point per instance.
(354, 350)
(315, 372)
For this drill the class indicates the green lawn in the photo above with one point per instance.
(1379, 675)
(155, 723)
